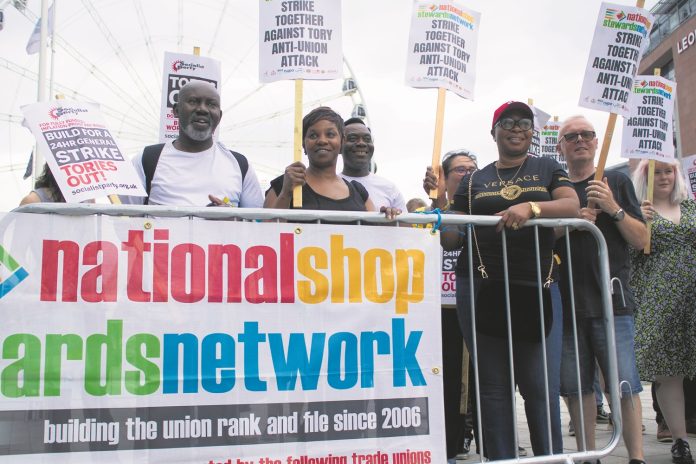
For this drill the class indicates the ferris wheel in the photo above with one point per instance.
(111, 52)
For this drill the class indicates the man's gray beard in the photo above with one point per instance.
(198, 135)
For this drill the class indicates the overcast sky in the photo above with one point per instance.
(535, 49)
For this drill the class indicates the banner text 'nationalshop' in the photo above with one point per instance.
(189, 273)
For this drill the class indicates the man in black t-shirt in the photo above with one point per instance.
(615, 210)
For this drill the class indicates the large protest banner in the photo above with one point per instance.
(300, 40)
(442, 47)
(689, 168)
(80, 151)
(179, 69)
(166, 340)
(619, 40)
(647, 131)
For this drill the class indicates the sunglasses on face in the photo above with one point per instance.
(585, 135)
(509, 123)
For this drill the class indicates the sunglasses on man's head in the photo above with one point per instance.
(509, 123)
(466, 153)
(585, 135)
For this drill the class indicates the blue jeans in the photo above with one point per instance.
(498, 415)
(592, 343)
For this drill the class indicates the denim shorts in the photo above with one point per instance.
(592, 344)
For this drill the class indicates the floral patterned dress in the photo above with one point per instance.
(664, 284)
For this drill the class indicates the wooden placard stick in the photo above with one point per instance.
(297, 145)
(437, 142)
(651, 185)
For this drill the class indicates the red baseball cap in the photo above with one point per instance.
(509, 106)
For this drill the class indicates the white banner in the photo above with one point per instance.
(442, 47)
(647, 131)
(179, 69)
(80, 151)
(169, 340)
(689, 168)
(300, 40)
(620, 37)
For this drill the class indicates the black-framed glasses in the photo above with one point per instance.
(509, 123)
(585, 135)
(463, 170)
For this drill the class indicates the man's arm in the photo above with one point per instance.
(251, 195)
(633, 230)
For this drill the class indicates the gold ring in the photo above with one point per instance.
(515, 226)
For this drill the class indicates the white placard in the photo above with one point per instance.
(689, 168)
(621, 36)
(179, 69)
(647, 131)
(540, 118)
(442, 47)
(300, 40)
(82, 154)
(549, 140)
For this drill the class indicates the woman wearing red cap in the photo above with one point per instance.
(516, 187)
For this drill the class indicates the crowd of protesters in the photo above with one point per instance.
(557, 323)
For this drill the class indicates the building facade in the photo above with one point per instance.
(673, 49)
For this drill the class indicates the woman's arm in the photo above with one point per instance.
(452, 237)
(294, 175)
(564, 203)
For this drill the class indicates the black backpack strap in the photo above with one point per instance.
(150, 158)
(242, 161)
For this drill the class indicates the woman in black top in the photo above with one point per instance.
(516, 187)
(322, 187)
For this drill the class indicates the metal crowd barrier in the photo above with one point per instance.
(467, 224)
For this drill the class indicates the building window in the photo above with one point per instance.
(684, 11)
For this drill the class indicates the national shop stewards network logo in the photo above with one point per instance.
(614, 15)
(17, 272)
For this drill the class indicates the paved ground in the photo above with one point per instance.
(655, 452)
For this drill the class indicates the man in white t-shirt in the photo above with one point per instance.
(194, 170)
(358, 149)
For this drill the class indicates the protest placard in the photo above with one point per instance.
(442, 47)
(549, 142)
(200, 341)
(80, 151)
(179, 69)
(448, 280)
(647, 131)
(689, 168)
(540, 118)
(620, 37)
(300, 40)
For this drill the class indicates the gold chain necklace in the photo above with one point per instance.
(509, 192)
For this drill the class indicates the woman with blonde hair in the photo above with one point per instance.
(665, 291)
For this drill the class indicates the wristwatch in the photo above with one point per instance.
(536, 211)
(619, 215)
